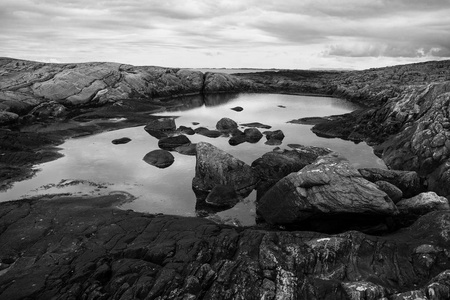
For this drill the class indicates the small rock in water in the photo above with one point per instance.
(257, 125)
(281, 106)
(237, 108)
(170, 143)
(123, 140)
(163, 124)
(159, 158)
(207, 132)
(186, 130)
(274, 137)
(226, 125)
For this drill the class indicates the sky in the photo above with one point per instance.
(286, 34)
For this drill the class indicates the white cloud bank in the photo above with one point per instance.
(227, 33)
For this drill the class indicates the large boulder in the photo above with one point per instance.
(329, 186)
(216, 167)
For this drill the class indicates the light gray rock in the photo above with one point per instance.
(423, 203)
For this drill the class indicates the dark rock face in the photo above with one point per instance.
(123, 140)
(159, 158)
(172, 142)
(223, 196)
(329, 186)
(226, 125)
(408, 182)
(391, 190)
(274, 137)
(216, 167)
(275, 165)
(129, 255)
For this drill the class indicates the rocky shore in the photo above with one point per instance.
(317, 210)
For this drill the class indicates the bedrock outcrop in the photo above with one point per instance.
(65, 248)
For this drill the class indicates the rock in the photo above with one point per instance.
(223, 196)
(408, 182)
(157, 133)
(391, 190)
(159, 158)
(221, 82)
(329, 186)
(275, 165)
(161, 124)
(237, 108)
(237, 138)
(423, 204)
(309, 121)
(207, 132)
(257, 125)
(8, 117)
(252, 135)
(364, 290)
(186, 130)
(216, 167)
(274, 137)
(226, 125)
(50, 109)
(123, 140)
(172, 142)
(187, 149)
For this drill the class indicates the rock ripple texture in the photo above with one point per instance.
(328, 186)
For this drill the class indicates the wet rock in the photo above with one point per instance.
(237, 108)
(257, 125)
(159, 158)
(391, 190)
(408, 182)
(161, 124)
(123, 140)
(329, 186)
(238, 138)
(186, 130)
(274, 137)
(50, 109)
(172, 142)
(216, 167)
(188, 149)
(207, 132)
(252, 135)
(222, 196)
(309, 121)
(422, 204)
(226, 125)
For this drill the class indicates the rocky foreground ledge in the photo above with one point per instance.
(65, 248)
(75, 248)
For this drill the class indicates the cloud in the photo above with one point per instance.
(167, 30)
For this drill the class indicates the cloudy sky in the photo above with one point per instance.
(295, 34)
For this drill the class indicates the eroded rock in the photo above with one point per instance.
(329, 186)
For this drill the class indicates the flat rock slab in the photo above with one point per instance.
(257, 125)
(159, 158)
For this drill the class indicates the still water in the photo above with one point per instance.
(94, 166)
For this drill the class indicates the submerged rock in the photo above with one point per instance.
(216, 167)
(329, 186)
(222, 196)
(172, 142)
(159, 158)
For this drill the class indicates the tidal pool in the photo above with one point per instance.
(92, 165)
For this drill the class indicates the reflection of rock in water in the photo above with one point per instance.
(185, 103)
(217, 99)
